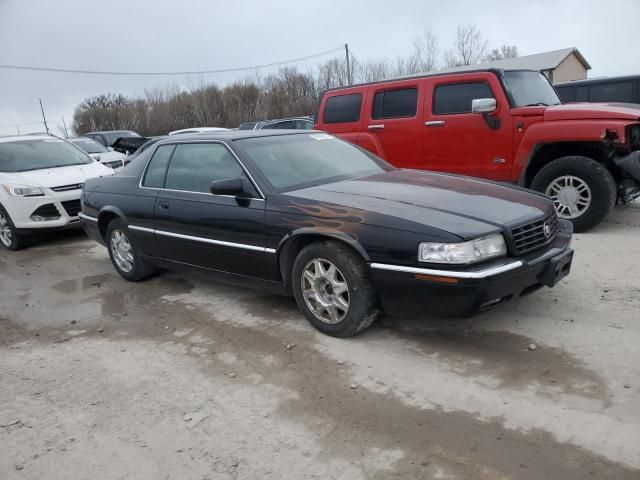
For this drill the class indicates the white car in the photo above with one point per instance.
(106, 156)
(41, 179)
(197, 130)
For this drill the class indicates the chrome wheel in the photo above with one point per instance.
(571, 196)
(121, 250)
(325, 291)
(6, 235)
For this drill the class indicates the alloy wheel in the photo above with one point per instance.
(325, 291)
(121, 250)
(571, 196)
(6, 235)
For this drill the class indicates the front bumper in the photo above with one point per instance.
(21, 209)
(414, 291)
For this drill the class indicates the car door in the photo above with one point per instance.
(217, 232)
(394, 118)
(459, 141)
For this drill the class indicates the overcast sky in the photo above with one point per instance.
(165, 35)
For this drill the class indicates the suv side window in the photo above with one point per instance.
(612, 92)
(195, 165)
(395, 103)
(343, 108)
(457, 97)
(154, 176)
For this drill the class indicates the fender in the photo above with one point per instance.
(561, 131)
(285, 259)
(372, 143)
(105, 212)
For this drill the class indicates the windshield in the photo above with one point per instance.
(89, 146)
(528, 88)
(111, 137)
(37, 154)
(290, 162)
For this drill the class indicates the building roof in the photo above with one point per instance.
(537, 61)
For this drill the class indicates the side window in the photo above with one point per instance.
(567, 94)
(154, 177)
(395, 103)
(611, 92)
(195, 165)
(582, 94)
(456, 98)
(304, 125)
(280, 125)
(343, 108)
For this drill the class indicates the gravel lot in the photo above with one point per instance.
(181, 378)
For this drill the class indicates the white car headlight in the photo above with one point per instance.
(23, 190)
(461, 253)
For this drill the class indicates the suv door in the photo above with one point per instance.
(195, 227)
(394, 117)
(459, 141)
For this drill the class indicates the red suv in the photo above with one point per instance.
(505, 125)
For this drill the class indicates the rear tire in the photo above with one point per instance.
(124, 257)
(583, 190)
(333, 288)
(9, 237)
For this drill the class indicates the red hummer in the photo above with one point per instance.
(504, 125)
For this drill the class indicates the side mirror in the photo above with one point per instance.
(483, 105)
(111, 149)
(232, 187)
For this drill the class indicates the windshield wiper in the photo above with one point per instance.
(539, 104)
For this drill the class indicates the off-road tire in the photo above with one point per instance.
(597, 178)
(141, 268)
(363, 303)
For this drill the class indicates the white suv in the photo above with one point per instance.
(41, 179)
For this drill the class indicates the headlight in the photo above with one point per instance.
(461, 253)
(23, 191)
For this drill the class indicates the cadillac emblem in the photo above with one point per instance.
(546, 229)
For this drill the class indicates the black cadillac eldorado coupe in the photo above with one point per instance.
(307, 214)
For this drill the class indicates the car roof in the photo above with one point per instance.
(231, 135)
(29, 136)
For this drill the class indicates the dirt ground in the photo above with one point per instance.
(182, 378)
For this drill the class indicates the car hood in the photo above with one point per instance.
(461, 206)
(57, 177)
(107, 157)
(597, 111)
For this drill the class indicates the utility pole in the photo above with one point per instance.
(346, 51)
(43, 117)
(18, 129)
(66, 134)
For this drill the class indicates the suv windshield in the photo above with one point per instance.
(88, 145)
(40, 153)
(527, 88)
(290, 162)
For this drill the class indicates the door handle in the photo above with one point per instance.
(376, 127)
(434, 123)
(163, 205)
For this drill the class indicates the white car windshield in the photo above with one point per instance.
(38, 154)
(89, 146)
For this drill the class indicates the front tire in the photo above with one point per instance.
(333, 288)
(9, 237)
(583, 191)
(124, 257)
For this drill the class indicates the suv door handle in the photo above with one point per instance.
(163, 205)
(434, 123)
(376, 127)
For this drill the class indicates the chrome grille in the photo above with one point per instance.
(67, 188)
(531, 236)
(115, 164)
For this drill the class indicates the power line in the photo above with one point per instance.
(197, 72)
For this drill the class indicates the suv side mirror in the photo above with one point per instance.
(232, 187)
(483, 105)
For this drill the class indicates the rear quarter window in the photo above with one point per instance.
(342, 108)
(157, 169)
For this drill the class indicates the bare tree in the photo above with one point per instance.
(469, 47)
(505, 51)
(425, 52)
